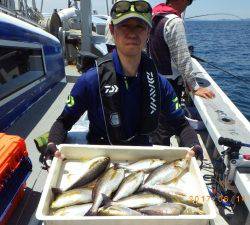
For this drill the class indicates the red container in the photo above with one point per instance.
(12, 150)
(13, 204)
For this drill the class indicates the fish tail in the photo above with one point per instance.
(106, 201)
(141, 188)
(56, 191)
(144, 187)
(91, 212)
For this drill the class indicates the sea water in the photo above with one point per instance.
(225, 44)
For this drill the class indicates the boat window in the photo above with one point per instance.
(19, 67)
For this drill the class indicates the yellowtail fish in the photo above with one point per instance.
(138, 200)
(167, 172)
(173, 194)
(107, 184)
(129, 185)
(145, 165)
(171, 208)
(163, 209)
(72, 197)
(115, 210)
(84, 172)
(76, 210)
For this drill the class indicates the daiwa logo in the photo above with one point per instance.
(152, 92)
(111, 89)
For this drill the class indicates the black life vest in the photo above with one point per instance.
(111, 103)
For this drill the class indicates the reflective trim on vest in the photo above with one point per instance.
(177, 104)
(110, 99)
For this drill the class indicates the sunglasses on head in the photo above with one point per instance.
(125, 6)
(190, 2)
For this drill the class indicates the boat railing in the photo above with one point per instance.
(17, 15)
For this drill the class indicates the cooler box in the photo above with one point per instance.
(122, 154)
(12, 151)
(15, 168)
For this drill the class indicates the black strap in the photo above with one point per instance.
(111, 99)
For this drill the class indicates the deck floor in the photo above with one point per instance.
(36, 121)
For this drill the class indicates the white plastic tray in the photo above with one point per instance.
(124, 153)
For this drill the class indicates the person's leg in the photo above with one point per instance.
(163, 133)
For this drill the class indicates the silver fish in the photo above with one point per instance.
(171, 208)
(129, 185)
(86, 172)
(115, 210)
(106, 186)
(76, 210)
(72, 197)
(139, 200)
(167, 172)
(145, 165)
(163, 209)
(174, 194)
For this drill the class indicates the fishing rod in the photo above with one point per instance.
(219, 68)
(214, 14)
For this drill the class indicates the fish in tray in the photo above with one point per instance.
(163, 209)
(115, 210)
(167, 172)
(171, 208)
(106, 185)
(92, 184)
(129, 185)
(72, 197)
(136, 201)
(76, 210)
(145, 165)
(85, 173)
(173, 194)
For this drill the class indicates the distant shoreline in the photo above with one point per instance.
(213, 20)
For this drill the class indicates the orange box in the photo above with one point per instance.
(12, 150)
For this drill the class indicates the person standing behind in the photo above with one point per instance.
(169, 50)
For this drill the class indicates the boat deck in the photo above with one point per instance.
(38, 120)
(221, 117)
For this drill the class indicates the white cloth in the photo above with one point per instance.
(108, 36)
(181, 62)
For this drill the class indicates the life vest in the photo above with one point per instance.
(111, 104)
(158, 48)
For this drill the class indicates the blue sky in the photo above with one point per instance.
(239, 8)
